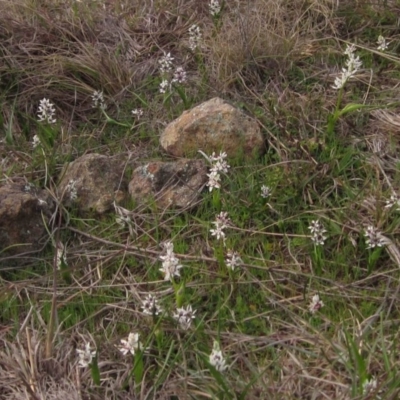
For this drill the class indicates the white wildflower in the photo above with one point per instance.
(374, 237)
(185, 316)
(71, 190)
(394, 200)
(316, 304)
(214, 179)
(215, 7)
(216, 359)
(219, 164)
(150, 305)
(179, 76)
(36, 141)
(165, 63)
(46, 111)
(164, 86)
(221, 222)
(170, 264)
(98, 100)
(317, 231)
(265, 191)
(353, 64)
(194, 37)
(382, 44)
(137, 113)
(233, 260)
(86, 356)
(131, 345)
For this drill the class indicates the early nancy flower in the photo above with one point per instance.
(46, 111)
(170, 264)
(86, 356)
(194, 37)
(221, 222)
(98, 100)
(353, 64)
(36, 141)
(316, 304)
(394, 200)
(150, 305)
(219, 164)
(265, 191)
(184, 317)
(130, 345)
(71, 190)
(233, 259)
(216, 359)
(374, 237)
(137, 113)
(382, 44)
(179, 76)
(317, 231)
(165, 63)
(215, 7)
(164, 86)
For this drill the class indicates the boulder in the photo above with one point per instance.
(213, 126)
(93, 182)
(24, 212)
(171, 184)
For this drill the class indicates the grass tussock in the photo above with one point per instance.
(310, 311)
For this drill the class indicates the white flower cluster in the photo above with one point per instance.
(353, 64)
(98, 100)
(46, 111)
(137, 113)
(85, 356)
(170, 264)
(316, 304)
(233, 260)
(131, 345)
(317, 231)
(221, 222)
(185, 316)
(150, 305)
(393, 201)
(214, 7)
(179, 76)
(166, 66)
(265, 191)
(36, 141)
(194, 37)
(382, 44)
(216, 359)
(71, 190)
(219, 164)
(374, 237)
(165, 62)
